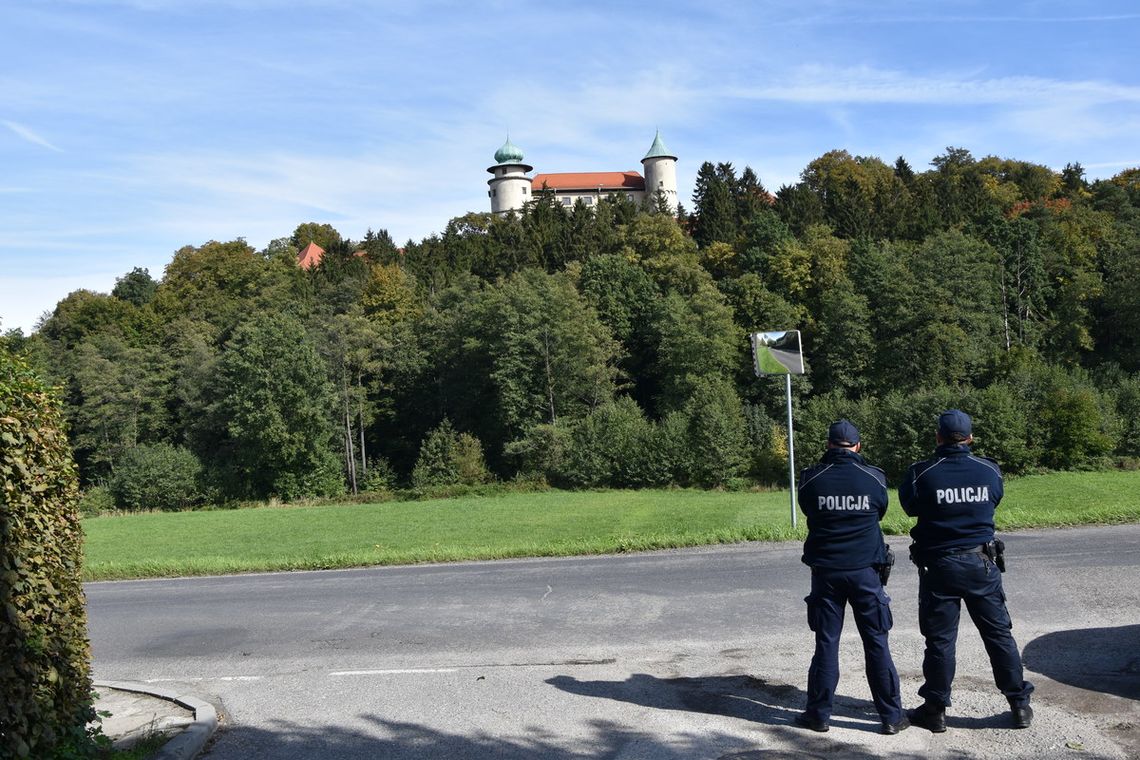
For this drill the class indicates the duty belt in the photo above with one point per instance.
(925, 557)
(981, 549)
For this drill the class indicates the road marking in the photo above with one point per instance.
(476, 666)
(203, 678)
(392, 672)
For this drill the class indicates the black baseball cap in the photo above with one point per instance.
(843, 433)
(954, 423)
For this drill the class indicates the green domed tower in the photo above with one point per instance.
(509, 185)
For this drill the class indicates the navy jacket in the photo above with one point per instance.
(844, 498)
(953, 495)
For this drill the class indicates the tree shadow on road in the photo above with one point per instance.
(1106, 660)
(394, 740)
(734, 696)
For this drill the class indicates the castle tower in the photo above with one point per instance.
(510, 187)
(660, 172)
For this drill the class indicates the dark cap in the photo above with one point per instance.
(955, 424)
(843, 433)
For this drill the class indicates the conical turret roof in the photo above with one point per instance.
(658, 149)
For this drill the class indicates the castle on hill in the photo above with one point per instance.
(511, 188)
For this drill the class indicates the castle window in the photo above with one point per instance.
(567, 201)
(494, 193)
(588, 200)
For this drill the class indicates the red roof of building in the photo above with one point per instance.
(589, 181)
(310, 256)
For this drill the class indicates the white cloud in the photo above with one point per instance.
(27, 134)
(867, 85)
(587, 112)
(195, 197)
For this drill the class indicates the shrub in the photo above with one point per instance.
(1075, 423)
(661, 453)
(379, 477)
(616, 446)
(671, 444)
(95, 501)
(44, 656)
(449, 458)
(1001, 427)
(1128, 410)
(585, 464)
(157, 476)
(541, 451)
(469, 461)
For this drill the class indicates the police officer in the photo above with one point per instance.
(844, 499)
(954, 495)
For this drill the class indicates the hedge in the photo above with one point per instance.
(44, 654)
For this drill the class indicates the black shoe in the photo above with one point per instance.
(890, 729)
(803, 720)
(933, 719)
(1022, 716)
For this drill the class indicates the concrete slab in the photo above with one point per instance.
(138, 711)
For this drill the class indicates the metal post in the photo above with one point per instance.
(791, 450)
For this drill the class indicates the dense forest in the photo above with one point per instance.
(607, 346)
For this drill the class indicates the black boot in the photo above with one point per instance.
(804, 720)
(890, 729)
(1022, 715)
(928, 716)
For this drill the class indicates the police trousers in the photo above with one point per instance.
(972, 578)
(831, 591)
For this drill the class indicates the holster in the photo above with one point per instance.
(884, 567)
(995, 550)
(917, 559)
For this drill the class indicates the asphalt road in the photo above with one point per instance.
(686, 654)
(793, 360)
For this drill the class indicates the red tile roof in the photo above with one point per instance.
(589, 181)
(310, 256)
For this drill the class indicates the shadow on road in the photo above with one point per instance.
(743, 697)
(1098, 659)
(394, 740)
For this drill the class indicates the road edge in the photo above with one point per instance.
(190, 740)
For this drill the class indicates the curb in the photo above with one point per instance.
(190, 740)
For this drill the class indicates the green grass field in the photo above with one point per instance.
(555, 523)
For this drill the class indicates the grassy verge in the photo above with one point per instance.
(555, 523)
(769, 363)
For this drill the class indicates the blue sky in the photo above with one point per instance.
(131, 128)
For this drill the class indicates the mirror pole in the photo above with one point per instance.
(791, 450)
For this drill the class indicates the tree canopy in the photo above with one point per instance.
(607, 345)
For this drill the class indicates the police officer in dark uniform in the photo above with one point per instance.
(844, 499)
(953, 495)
